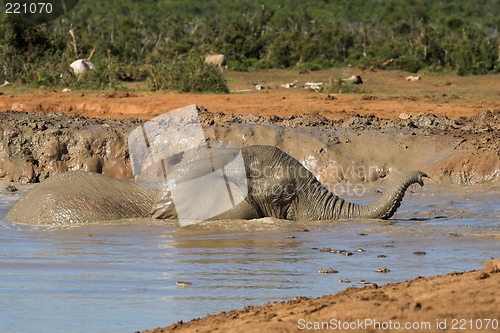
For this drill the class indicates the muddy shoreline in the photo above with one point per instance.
(459, 300)
(465, 150)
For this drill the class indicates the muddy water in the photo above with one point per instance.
(122, 277)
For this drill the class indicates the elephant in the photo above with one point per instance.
(278, 186)
(218, 60)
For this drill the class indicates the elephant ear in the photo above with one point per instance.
(163, 206)
(201, 199)
(81, 197)
(203, 185)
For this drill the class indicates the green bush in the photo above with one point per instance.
(106, 75)
(237, 66)
(246, 65)
(186, 74)
(408, 63)
(334, 85)
(318, 34)
(337, 86)
(316, 65)
(46, 76)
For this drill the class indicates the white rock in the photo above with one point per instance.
(81, 66)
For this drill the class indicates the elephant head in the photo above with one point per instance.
(283, 188)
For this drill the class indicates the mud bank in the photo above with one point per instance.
(35, 146)
(357, 148)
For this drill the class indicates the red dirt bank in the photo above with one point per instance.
(280, 103)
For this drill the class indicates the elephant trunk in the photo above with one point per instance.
(387, 205)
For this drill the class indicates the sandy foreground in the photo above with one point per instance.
(456, 302)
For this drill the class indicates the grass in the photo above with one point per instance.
(436, 87)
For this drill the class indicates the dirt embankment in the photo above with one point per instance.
(34, 146)
(457, 301)
(282, 103)
(357, 148)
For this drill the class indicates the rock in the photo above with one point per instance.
(413, 78)
(6, 84)
(355, 79)
(11, 189)
(183, 283)
(382, 270)
(81, 66)
(492, 266)
(19, 107)
(404, 116)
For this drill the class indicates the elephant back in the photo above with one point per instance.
(81, 197)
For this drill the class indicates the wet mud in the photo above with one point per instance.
(355, 149)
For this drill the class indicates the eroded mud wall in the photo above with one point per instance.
(35, 146)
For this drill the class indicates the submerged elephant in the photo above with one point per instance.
(278, 186)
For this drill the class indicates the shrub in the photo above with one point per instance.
(186, 74)
(408, 63)
(248, 64)
(316, 65)
(337, 86)
(106, 75)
